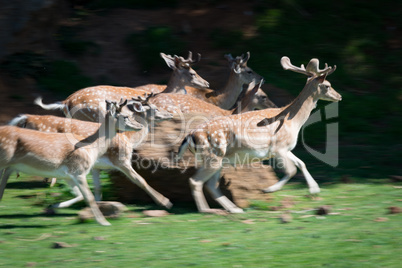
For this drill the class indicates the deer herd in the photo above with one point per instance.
(104, 124)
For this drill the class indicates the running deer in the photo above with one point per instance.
(240, 75)
(118, 155)
(62, 155)
(89, 103)
(256, 136)
(178, 104)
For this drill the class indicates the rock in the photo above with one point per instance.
(49, 211)
(394, 210)
(323, 210)
(61, 245)
(155, 161)
(155, 213)
(285, 218)
(109, 209)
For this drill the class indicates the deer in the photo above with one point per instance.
(256, 136)
(178, 104)
(63, 155)
(228, 96)
(118, 155)
(88, 104)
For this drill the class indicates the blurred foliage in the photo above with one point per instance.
(357, 36)
(232, 39)
(147, 45)
(63, 77)
(22, 64)
(69, 42)
(105, 4)
(60, 76)
(363, 38)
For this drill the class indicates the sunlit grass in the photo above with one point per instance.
(358, 232)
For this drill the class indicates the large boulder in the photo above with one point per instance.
(155, 161)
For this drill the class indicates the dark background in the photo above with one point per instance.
(53, 48)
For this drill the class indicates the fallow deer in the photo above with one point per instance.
(240, 75)
(62, 155)
(178, 104)
(118, 155)
(88, 103)
(255, 136)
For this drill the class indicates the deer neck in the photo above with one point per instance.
(175, 85)
(300, 109)
(227, 96)
(137, 137)
(99, 142)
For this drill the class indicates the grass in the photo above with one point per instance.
(360, 232)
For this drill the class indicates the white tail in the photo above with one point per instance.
(66, 156)
(53, 106)
(255, 136)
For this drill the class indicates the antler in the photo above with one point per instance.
(189, 61)
(287, 65)
(145, 99)
(244, 60)
(312, 68)
(239, 59)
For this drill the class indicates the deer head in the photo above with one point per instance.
(315, 75)
(182, 68)
(147, 110)
(239, 67)
(122, 121)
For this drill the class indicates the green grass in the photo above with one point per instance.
(360, 233)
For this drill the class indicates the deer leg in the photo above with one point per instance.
(97, 184)
(289, 169)
(312, 184)
(76, 192)
(196, 184)
(82, 184)
(4, 175)
(140, 182)
(212, 186)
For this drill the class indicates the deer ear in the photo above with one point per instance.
(135, 106)
(111, 107)
(237, 68)
(169, 60)
(321, 78)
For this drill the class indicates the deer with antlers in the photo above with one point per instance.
(240, 75)
(119, 153)
(178, 104)
(89, 103)
(63, 155)
(255, 136)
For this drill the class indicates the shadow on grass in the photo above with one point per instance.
(14, 226)
(178, 207)
(25, 216)
(27, 185)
